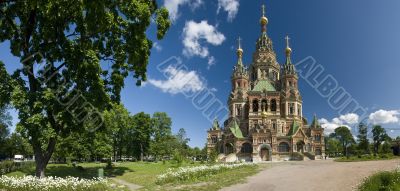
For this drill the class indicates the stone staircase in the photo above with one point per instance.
(309, 155)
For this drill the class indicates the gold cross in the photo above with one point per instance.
(239, 39)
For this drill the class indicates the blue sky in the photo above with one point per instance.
(357, 42)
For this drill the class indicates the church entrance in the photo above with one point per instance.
(265, 152)
(300, 146)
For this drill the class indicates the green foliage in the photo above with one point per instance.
(162, 143)
(367, 157)
(382, 181)
(5, 88)
(5, 122)
(363, 141)
(66, 41)
(344, 135)
(379, 135)
(11, 166)
(16, 144)
(333, 146)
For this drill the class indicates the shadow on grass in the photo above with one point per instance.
(85, 172)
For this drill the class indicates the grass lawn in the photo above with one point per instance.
(145, 174)
(367, 158)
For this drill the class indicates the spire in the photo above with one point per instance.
(239, 69)
(288, 50)
(263, 20)
(288, 67)
(239, 52)
(315, 123)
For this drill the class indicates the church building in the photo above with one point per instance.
(266, 120)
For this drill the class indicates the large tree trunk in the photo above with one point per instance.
(40, 167)
(42, 157)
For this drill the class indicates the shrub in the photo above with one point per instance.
(30, 183)
(11, 166)
(196, 172)
(382, 181)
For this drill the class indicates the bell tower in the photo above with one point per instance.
(265, 65)
(292, 104)
(240, 86)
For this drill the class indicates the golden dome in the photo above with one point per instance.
(239, 52)
(288, 50)
(264, 20)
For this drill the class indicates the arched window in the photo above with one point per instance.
(246, 148)
(264, 105)
(214, 139)
(273, 105)
(255, 105)
(291, 108)
(283, 147)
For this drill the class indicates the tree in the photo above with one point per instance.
(334, 146)
(378, 135)
(183, 141)
(142, 133)
(345, 137)
(363, 142)
(162, 143)
(66, 41)
(17, 145)
(117, 121)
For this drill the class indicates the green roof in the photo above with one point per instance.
(293, 130)
(215, 125)
(315, 123)
(236, 130)
(264, 84)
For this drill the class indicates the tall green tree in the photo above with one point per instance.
(363, 142)
(334, 146)
(142, 134)
(162, 143)
(345, 137)
(66, 41)
(117, 121)
(17, 145)
(378, 135)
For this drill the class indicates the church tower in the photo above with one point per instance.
(291, 98)
(264, 58)
(240, 84)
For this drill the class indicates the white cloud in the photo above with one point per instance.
(350, 118)
(213, 89)
(344, 120)
(230, 6)
(384, 116)
(179, 81)
(330, 126)
(211, 61)
(173, 6)
(157, 46)
(194, 32)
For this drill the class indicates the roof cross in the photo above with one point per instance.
(239, 40)
(263, 10)
(287, 41)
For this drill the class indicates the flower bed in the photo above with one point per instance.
(31, 183)
(196, 172)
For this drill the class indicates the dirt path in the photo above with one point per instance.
(313, 175)
(130, 186)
